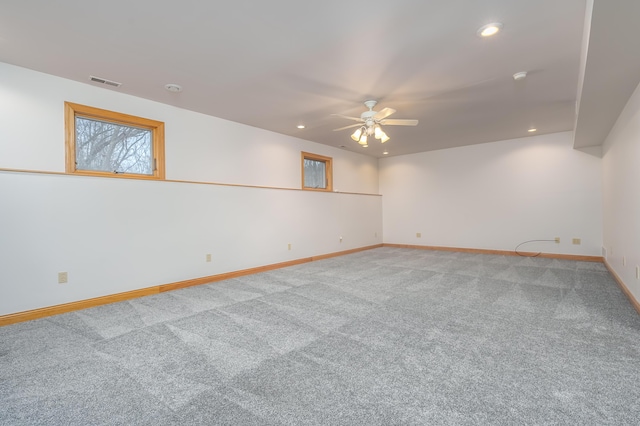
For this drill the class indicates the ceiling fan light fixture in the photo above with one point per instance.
(490, 29)
(370, 123)
(356, 135)
(378, 132)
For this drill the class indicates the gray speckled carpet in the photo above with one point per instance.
(382, 337)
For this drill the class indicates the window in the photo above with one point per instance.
(106, 143)
(316, 172)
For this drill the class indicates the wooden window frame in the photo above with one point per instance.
(71, 111)
(328, 161)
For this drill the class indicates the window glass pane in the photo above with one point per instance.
(315, 174)
(109, 147)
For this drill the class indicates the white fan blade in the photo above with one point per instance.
(347, 117)
(399, 122)
(347, 127)
(383, 113)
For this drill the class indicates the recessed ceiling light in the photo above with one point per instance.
(520, 75)
(490, 29)
(532, 130)
(173, 87)
(300, 126)
(364, 146)
(385, 153)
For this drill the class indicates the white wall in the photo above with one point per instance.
(495, 196)
(113, 235)
(621, 177)
(198, 147)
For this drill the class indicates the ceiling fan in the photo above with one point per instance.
(370, 123)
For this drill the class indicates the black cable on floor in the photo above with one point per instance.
(531, 241)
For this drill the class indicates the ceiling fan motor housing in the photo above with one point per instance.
(370, 104)
(367, 114)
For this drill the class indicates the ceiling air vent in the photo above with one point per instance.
(104, 81)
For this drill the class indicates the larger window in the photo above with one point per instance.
(107, 143)
(316, 172)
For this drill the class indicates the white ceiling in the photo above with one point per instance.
(276, 64)
(611, 71)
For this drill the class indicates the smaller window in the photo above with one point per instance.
(107, 143)
(316, 172)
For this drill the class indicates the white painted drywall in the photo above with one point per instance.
(495, 196)
(114, 235)
(621, 175)
(586, 33)
(198, 147)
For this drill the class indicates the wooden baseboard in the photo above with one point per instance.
(228, 275)
(250, 271)
(623, 287)
(342, 253)
(501, 252)
(75, 306)
(119, 297)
